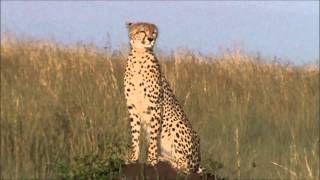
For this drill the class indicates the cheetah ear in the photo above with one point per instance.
(129, 24)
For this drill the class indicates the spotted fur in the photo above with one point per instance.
(153, 106)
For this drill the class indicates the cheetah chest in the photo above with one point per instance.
(139, 80)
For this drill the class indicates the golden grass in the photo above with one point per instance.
(256, 119)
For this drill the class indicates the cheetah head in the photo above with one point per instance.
(142, 35)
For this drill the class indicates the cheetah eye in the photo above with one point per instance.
(154, 34)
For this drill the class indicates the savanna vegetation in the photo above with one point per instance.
(63, 112)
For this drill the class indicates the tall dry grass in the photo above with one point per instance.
(256, 118)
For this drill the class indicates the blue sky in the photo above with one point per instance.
(289, 30)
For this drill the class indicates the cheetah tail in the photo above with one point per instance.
(201, 170)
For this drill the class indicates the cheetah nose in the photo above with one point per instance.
(150, 39)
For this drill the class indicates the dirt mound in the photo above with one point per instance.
(162, 171)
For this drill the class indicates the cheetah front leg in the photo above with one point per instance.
(154, 134)
(135, 134)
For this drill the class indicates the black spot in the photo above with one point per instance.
(134, 131)
(177, 134)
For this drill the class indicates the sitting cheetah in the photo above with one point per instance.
(152, 105)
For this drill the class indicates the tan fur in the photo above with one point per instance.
(152, 105)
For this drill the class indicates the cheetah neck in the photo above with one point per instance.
(139, 61)
(141, 50)
(144, 55)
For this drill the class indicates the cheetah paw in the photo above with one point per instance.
(152, 162)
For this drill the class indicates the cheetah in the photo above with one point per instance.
(153, 106)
